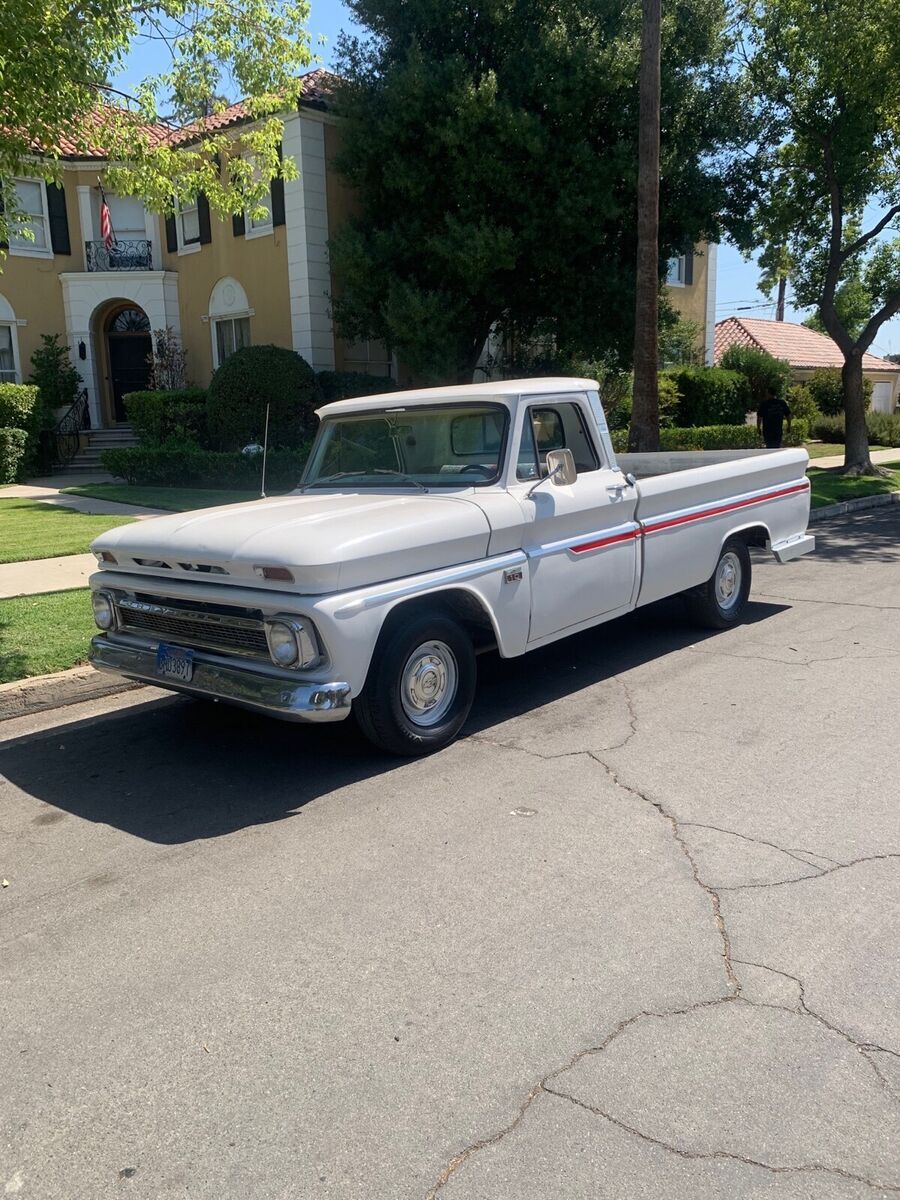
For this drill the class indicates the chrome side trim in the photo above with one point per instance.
(436, 579)
(696, 510)
(583, 538)
(288, 699)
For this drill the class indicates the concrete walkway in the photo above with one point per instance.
(72, 570)
(878, 456)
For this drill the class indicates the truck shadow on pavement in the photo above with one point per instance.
(173, 770)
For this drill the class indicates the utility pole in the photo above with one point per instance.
(779, 307)
(644, 432)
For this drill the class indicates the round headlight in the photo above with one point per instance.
(282, 644)
(104, 613)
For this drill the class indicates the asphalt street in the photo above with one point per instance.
(636, 935)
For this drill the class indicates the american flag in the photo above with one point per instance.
(106, 230)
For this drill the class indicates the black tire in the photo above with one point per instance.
(711, 605)
(390, 721)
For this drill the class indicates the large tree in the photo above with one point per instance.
(826, 75)
(59, 62)
(494, 151)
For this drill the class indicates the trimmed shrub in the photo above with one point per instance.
(250, 379)
(668, 401)
(827, 390)
(699, 437)
(615, 394)
(763, 372)
(12, 452)
(158, 416)
(884, 428)
(710, 396)
(341, 385)
(800, 402)
(178, 465)
(18, 404)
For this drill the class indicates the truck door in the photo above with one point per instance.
(581, 539)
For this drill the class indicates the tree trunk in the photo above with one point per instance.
(779, 307)
(857, 460)
(644, 432)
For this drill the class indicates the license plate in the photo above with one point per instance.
(173, 662)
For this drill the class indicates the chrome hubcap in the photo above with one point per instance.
(428, 683)
(728, 580)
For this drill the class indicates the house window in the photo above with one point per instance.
(369, 358)
(31, 198)
(675, 275)
(8, 372)
(187, 218)
(231, 333)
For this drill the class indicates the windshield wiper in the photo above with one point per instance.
(330, 479)
(400, 475)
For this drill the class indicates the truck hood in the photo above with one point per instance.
(328, 542)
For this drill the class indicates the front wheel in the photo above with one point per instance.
(720, 602)
(420, 686)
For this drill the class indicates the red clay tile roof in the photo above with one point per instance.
(317, 88)
(796, 344)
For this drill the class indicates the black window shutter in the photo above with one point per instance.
(171, 235)
(203, 219)
(237, 224)
(3, 245)
(277, 189)
(688, 266)
(59, 220)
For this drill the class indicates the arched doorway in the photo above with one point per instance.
(129, 349)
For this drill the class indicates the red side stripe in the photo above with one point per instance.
(584, 547)
(601, 542)
(726, 508)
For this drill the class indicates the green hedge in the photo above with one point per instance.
(158, 416)
(250, 379)
(884, 428)
(12, 451)
(710, 396)
(18, 405)
(699, 437)
(827, 390)
(341, 385)
(177, 465)
(763, 372)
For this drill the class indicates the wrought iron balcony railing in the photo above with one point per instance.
(120, 256)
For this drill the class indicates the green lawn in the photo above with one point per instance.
(41, 634)
(171, 499)
(824, 449)
(30, 530)
(828, 487)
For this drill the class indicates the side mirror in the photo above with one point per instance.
(561, 467)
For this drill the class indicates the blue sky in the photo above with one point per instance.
(736, 292)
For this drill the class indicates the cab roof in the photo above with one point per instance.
(504, 390)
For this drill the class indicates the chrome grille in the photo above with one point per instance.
(212, 627)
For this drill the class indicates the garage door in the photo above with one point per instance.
(881, 397)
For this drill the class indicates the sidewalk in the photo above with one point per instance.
(72, 570)
(878, 456)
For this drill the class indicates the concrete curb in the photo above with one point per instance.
(853, 506)
(26, 696)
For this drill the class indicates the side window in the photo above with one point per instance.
(556, 427)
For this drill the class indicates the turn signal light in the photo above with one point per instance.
(278, 574)
(105, 556)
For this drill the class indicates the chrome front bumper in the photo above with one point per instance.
(300, 701)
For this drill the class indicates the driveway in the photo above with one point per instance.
(635, 936)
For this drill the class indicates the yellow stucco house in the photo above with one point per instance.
(691, 290)
(218, 284)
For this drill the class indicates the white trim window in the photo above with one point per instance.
(675, 274)
(9, 371)
(31, 197)
(258, 228)
(229, 334)
(369, 358)
(187, 226)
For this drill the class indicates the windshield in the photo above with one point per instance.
(446, 446)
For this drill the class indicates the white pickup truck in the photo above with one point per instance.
(428, 526)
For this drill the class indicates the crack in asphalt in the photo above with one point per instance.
(745, 837)
(820, 872)
(732, 982)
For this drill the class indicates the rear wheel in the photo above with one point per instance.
(720, 602)
(420, 686)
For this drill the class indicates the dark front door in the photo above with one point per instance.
(130, 350)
